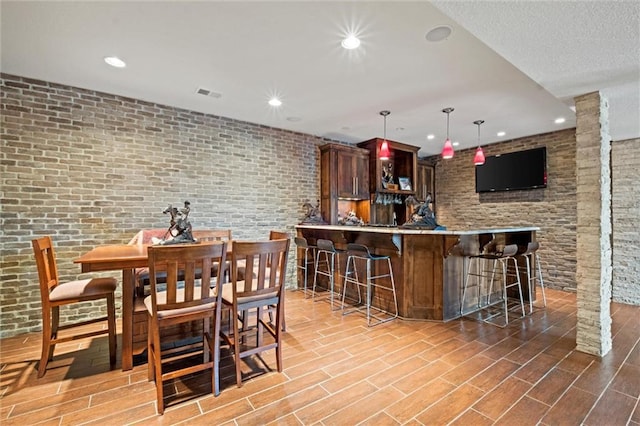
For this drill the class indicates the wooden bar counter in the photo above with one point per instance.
(428, 266)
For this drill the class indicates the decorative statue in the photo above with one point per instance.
(423, 217)
(387, 174)
(179, 226)
(312, 214)
(351, 219)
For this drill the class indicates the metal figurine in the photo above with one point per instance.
(312, 214)
(179, 231)
(423, 217)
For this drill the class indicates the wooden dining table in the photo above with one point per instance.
(126, 258)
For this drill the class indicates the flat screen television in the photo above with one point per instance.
(515, 170)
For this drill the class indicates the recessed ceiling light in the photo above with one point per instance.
(501, 134)
(431, 137)
(560, 120)
(456, 143)
(439, 33)
(114, 61)
(351, 42)
(275, 102)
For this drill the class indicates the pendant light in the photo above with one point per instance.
(478, 160)
(447, 150)
(384, 148)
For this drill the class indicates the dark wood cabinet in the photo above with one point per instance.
(425, 180)
(353, 174)
(388, 196)
(344, 181)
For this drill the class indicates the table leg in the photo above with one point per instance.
(127, 319)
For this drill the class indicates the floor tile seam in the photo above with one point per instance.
(549, 407)
(323, 419)
(613, 377)
(87, 397)
(455, 388)
(571, 372)
(475, 375)
(98, 405)
(266, 407)
(217, 407)
(559, 398)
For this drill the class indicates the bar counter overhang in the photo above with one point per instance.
(429, 266)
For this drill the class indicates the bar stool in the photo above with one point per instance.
(531, 257)
(502, 260)
(309, 259)
(359, 252)
(326, 266)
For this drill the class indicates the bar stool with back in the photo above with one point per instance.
(534, 272)
(358, 253)
(500, 259)
(327, 255)
(55, 294)
(308, 259)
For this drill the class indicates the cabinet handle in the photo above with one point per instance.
(355, 186)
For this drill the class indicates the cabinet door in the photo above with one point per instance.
(362, 176)
(346, 175)
(425, 184)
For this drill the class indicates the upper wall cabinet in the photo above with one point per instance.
(395, 175)
(353, 174)
(425, 181)
(344, 181)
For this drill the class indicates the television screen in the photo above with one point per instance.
(514, 170)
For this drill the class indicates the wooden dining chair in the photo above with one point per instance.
(185, 299)
(273, 235)
(147, 236)
(260, 293)
(54, 294)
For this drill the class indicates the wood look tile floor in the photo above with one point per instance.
(340, 372)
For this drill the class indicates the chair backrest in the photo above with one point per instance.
(277, 235)
(47, 266)
(211, 234)
(268, 260)
(301, 242)
(358, 250)
(326, 245)
(182, 263)
(144, 236)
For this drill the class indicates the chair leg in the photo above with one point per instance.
(157, 361)
(150, 359)
(279, 340)
(236, 348)
(206, 331)
(215, 385)
(111, 323)
(47, 348)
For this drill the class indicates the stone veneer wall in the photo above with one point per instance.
(91, 168)
(553, 208)
(625, 158)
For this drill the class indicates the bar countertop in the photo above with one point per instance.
(408, 231)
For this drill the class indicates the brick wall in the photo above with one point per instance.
(625, 157)
(91, 168)
(553, 208)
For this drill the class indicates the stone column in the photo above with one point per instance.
(594, 254)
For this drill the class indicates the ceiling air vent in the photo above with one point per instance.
(207, 92)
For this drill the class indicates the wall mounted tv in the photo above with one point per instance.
(514, 170)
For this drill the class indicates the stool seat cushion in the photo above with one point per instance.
(83, 288)
(162, 299)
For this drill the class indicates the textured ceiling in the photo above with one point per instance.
(517, 65)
